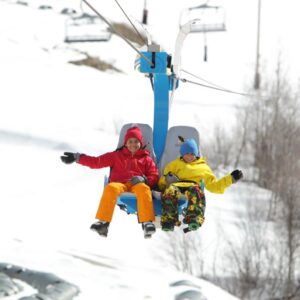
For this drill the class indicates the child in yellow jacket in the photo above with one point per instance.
(184, 176)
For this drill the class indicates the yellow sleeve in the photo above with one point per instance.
(215, 185)
(170, 167)
(162, 183)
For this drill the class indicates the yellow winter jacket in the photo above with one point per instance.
(195, 171)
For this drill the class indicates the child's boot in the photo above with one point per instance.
(193, 225)
(167, 226)
(149, 229)
(101, 227)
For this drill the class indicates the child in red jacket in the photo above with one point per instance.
(132, 170)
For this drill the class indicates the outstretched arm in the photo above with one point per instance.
(218, 186)
(69, 157)
(93, 162)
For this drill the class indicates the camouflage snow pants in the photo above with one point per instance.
(195, 210)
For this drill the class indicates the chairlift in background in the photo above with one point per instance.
(86, 28)
(68, 11)
(22, 2)
(206, 18)
(145, 13)
(45, 7)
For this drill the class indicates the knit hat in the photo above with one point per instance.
(134, 132)
(189, 146)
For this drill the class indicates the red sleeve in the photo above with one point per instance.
(102, 161)
(151, 172)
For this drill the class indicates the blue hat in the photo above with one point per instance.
(189, 146)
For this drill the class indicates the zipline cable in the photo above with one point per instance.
(138, 33)
(212, 86)
(215, 87)
(202, 79)
(116, 32)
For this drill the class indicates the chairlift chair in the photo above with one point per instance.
(86, 28)
(163, 149)
(207, 18)
(127, 201)
(156, 63)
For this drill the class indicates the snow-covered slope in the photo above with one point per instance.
(48, 106)
(99, 275)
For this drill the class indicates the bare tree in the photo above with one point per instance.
(220, 148)
(250, 258)
(263, 262)
(273, 134)
(184, 252)
(241, 135)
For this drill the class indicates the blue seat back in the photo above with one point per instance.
(147, 136)
(171, 152)
(127, 201)
(172, 145)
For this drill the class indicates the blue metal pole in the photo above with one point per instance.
(161, 97)
(161, 113)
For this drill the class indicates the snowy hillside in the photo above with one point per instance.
(48, 106)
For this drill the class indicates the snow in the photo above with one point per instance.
(49, 106)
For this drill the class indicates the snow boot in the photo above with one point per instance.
(167, 226)
(193, 225)
(101, 228)
(149, 229)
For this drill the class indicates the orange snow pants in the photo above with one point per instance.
(113, 190)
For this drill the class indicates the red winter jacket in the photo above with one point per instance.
(124, 165)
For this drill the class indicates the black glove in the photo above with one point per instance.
(236, 175)
(171, 178)
(137, 179)
(70, 157)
